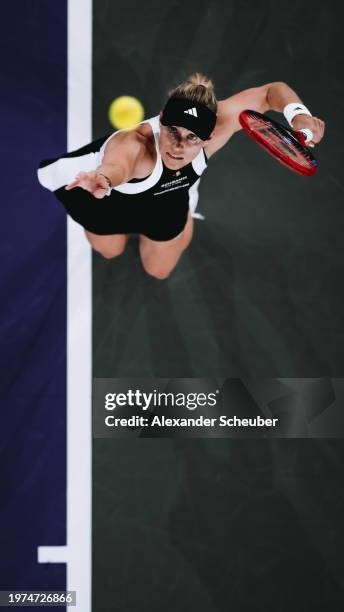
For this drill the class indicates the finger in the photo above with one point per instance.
(99, 193)
(102, 184)
(321, 128)
(318, 134)
(72, 185)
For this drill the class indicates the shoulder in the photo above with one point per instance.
(130, 141)
(228, 113)
(130, 145)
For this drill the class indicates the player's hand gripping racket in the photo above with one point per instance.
(286, 145)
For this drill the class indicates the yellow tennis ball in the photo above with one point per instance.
(125, 112)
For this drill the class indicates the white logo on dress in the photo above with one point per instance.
(191, 111)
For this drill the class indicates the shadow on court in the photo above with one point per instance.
(230, 308)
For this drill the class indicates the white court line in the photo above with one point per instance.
(52, 554)
(78, 553)
(79, 320)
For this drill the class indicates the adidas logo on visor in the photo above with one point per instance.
(191, 111)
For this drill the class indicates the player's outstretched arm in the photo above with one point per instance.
(118, 166)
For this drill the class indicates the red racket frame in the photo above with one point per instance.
(298, 139)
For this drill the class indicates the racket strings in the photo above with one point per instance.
(279, 141)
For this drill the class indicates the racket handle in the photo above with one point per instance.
(305, 136)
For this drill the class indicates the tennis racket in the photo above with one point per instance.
(286, 145)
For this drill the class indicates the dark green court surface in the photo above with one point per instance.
(223, 525)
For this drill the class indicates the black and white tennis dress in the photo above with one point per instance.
(156, 206)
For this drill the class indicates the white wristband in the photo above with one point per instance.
(295, 108)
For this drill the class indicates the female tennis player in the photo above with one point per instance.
(145, 180)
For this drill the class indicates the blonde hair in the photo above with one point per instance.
(196, 88)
